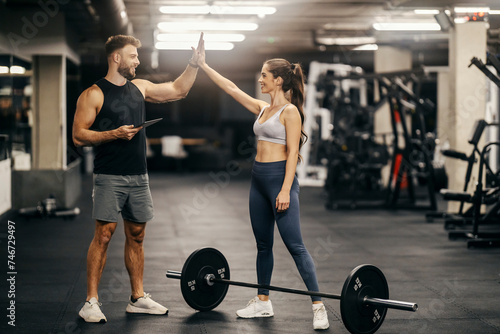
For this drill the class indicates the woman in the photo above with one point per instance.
(274, 193)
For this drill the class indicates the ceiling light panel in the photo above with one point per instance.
(406, 26)
(366, 47)
(195, 37)
(471, 9)
(185, 9)
(206, 26)
(182, 33)
(218, 10)
(345, 40)
(426, 11)
(187, 46)
(17, 70)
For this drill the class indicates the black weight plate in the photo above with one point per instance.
(195, 290)
(359, 318)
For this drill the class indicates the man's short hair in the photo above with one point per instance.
(119, 42)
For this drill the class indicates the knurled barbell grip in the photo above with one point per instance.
(394, 304)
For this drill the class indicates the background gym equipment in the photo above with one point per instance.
(488, 195)
(322, 89)
(492, 181)
(417, 151)
(356, 154)
(481, 195)
(482, 67)
(49, 208)
(355, 159)
(471, 159)
(205, 278)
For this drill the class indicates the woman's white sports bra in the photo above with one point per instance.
(271, 130)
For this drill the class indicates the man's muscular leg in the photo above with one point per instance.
(140, 302)
(96, 256)
(134, 256)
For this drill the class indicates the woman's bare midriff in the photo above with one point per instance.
(270, 152)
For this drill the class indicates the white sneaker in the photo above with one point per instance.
(256, 308)
(146, 305)
(320, 319)
(91, 312)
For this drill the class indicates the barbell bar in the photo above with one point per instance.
(205, 279)
(395, 304)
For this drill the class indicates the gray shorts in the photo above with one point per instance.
(128, 195)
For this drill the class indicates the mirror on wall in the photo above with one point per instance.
(16, 116)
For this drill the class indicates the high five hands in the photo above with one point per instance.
(198, 57)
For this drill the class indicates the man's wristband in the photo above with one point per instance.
(192, 65)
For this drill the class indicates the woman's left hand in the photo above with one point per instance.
(283, 201)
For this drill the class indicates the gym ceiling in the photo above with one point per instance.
(325, 30)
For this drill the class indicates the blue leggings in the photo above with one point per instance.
(267, 180)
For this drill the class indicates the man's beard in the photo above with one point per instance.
(126, 72)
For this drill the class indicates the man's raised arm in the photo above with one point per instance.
(177, 89)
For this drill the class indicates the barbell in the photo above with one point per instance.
(205, 279)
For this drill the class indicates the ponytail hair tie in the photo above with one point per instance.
(293, 67)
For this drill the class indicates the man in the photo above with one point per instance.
(108, 115)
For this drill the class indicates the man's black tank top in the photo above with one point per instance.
(123, 105)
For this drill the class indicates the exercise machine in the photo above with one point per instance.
(482, 195)
(357, 155)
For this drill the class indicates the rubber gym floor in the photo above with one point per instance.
(457, 289)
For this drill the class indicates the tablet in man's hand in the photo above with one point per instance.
(150, 122)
